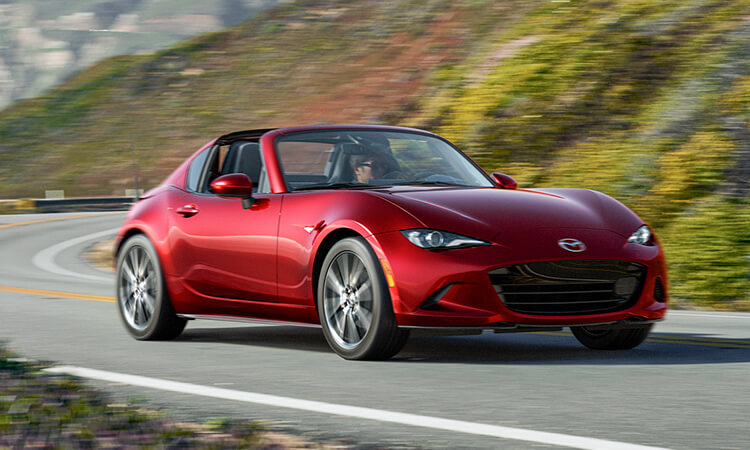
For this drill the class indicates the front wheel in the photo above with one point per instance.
(611, 339)
(354, 305)
(142, 297)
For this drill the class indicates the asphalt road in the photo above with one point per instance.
(687, 387)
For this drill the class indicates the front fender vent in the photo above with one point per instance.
(575, 287)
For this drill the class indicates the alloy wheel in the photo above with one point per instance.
(137, 286)
(348, 300)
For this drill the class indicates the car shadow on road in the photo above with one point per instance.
(273, 336)
(557, 348)
(563, 349)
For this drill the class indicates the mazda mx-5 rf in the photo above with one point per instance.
(373, 231)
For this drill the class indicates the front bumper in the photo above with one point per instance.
(453, 288)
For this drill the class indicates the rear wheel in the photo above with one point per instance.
(354, 305)
(142, 297)
(611, 339)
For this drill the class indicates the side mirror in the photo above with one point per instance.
(504, 181)
(234, 185)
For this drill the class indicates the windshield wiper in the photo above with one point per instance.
(311, 187)
(429, 183)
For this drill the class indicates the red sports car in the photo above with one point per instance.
(371, 231)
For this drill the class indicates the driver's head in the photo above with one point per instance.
(366, 167)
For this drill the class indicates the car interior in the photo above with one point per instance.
(243, 157)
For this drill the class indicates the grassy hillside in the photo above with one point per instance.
(647, 101)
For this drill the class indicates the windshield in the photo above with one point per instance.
(365, 158)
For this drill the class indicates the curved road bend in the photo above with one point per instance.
(685, 388)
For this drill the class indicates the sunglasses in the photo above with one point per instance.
(366, 163)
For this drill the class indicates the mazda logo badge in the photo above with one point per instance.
(572, 245)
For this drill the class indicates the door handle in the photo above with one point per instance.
(188, 210)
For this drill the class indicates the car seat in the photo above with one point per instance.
(243, 157)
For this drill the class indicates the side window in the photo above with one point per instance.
(238, 157)
(213, 168)
(195, 171)
(244, 157)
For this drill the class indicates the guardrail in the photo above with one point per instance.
(67, 204)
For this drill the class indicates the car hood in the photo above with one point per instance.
(491, 213)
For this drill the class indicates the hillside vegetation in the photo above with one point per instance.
(648, 101)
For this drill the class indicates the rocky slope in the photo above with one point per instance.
(43, 42)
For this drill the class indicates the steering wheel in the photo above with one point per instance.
(422, 176)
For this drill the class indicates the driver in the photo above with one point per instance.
(367, 167)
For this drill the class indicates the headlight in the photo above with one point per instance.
(436, 240)
(641, 236)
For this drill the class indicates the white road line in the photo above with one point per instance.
(709, 314)
(45, 259)
(352, 411)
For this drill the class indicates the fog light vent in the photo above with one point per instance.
(433, 299)
(659, 291)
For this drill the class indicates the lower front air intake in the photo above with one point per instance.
(575, 287)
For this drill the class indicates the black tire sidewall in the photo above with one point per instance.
(382, 311)
(613, 339)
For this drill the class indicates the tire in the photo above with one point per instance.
(611, 339)
(142, 300)
(354, 305)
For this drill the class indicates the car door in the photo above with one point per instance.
(222, 250)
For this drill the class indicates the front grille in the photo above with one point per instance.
(569, 287)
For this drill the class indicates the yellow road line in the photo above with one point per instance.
(96, 298)
(56, 219)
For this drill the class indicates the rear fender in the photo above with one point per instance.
(147, 217)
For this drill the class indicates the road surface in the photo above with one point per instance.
(687, 387)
